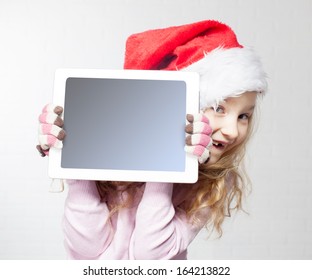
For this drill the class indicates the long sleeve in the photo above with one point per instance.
(87, 233)
(161, 232)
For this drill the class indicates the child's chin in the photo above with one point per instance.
(212, 160)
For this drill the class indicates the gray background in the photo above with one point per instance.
(38, 37)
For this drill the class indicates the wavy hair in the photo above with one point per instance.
(223, 185)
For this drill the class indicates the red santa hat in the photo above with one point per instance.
(210, 48)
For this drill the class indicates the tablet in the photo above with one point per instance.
(125, 125)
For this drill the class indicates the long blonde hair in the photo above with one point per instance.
(220, 187)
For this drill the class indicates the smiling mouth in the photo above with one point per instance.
(218, 145)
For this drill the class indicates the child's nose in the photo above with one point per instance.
(230, 129)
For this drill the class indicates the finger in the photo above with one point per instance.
(198, 139)
(42, 152)
(197, 118)
(198, 127)
(48, 141)
(51, 108)
(51, 129)
(200, 152)
(51, 118)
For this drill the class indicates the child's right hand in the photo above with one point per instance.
(51, 133)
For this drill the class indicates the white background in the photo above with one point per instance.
(37, 37)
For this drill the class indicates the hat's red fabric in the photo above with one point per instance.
(177, 47)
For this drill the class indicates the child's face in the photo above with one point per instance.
(229, 122)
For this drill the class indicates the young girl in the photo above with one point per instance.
(131, 220)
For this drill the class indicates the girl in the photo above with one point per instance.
(130, 220)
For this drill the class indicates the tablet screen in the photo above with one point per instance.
(124, 124)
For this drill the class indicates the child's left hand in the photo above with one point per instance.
(199, 139)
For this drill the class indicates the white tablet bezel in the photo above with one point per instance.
(190, 175)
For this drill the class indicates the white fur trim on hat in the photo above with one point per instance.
(228, 72)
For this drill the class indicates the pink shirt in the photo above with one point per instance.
(151, 229)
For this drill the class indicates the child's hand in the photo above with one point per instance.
(51, 133)
(199, 139)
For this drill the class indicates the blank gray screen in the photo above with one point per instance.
(124, 124)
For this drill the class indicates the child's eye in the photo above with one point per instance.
(219, 109)
(244, 116)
